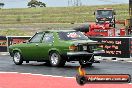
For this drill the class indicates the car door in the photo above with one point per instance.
(32, 49)
(46, 45)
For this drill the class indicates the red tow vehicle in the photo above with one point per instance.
(104, 24)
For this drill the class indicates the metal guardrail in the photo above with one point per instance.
(3, 44)
(6, 41)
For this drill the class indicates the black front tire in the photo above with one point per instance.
(56, 60)
(17, 58)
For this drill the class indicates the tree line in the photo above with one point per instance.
(35, 3)
(2, 5)
(31, 3)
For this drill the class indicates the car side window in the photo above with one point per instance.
(36, 38)
(48, 38)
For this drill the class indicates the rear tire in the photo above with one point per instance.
(85, 63)
(17, 58)
(56, 60)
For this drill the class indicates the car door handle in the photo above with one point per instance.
(36, 44)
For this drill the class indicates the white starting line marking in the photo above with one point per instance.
(37, 74)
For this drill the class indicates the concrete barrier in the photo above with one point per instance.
(4, 53)
(114, 59)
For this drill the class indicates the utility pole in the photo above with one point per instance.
(74, 3)
(68, 2)
(77, 3)
(130, 8)
(130, 14)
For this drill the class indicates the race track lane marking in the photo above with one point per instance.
(37, 74)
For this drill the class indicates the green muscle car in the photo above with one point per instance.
(56, 47)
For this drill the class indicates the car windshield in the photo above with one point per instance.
(72, 36)
(104, 13)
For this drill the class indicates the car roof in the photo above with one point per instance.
(57, 31)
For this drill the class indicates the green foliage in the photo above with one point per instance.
(2, 4)
(35, 3)
(59, 14)
(30, 29)
(18, 19)
(14, 32)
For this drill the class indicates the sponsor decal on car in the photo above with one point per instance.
(73, 35)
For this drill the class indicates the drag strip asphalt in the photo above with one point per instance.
(69, 70)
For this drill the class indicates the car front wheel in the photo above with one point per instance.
(56, 60)
(17, 58)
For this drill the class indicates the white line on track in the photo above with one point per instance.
(37, 74)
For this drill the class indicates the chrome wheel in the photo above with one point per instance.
(17, 58)
(54, 58)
